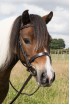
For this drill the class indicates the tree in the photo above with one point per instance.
(57, 44)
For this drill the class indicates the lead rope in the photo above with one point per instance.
(24, 93)
(25, 83)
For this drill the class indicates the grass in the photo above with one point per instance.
(58, 93)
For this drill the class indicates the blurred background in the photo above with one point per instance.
(58, 28)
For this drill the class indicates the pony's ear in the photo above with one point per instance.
(25, 17)
(48, 17)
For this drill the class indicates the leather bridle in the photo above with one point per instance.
(32, 59)
(28, 65)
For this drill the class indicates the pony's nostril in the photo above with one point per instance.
(47, 80)
(43, 78)
(53, 77)
(43, 75)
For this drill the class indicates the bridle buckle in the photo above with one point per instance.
(32, 71)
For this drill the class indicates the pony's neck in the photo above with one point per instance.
(5, 35)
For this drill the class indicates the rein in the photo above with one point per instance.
(29, 67)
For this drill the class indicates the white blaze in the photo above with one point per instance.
(49, 68)
(46, 67)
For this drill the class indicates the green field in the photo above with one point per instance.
(58, 93)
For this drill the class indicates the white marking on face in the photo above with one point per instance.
(49, 68)
(42, 68)
(5, 32)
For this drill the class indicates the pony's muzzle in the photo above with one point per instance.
(45, 81)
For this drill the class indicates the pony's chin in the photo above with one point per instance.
(44, 85)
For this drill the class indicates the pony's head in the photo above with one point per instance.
(35, 39)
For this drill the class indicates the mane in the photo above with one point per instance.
(40, 31)
(5, 34)
(15, 33)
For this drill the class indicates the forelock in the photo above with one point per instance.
(40, 31)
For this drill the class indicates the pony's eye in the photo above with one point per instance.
(27, 41)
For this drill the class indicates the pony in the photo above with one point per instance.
(32, 31)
